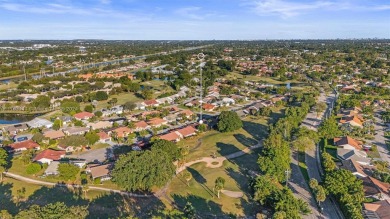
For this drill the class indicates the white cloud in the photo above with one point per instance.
(190, 12)
(289, 8)
(286, 8)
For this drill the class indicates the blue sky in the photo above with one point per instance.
(194, 19)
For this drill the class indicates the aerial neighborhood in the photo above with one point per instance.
(196, 129)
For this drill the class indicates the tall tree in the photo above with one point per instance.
(229, 121)
(142, 170)
(219, 185)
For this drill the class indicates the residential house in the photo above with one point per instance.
(101, 172)
(187, 113)
(52, 169)
(347, 142)
(53, 134)
(186, 132)
(104, 137)
(352, 121)
(376, 189)
(75, 130)
(117, 109)
(157, 122)
(47, 156)
(151, 103)
(15, 129)
(208, 107)
(65, 119)
(40, 123)
(122, 132)
(354, 167)
(141, 125)
(83, 115)
(357, 156)
(377, 210)
(171, 136)
(20, 138)
(228, 101)
(24, 145)
(100, 125)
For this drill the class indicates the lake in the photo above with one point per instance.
(9, 119)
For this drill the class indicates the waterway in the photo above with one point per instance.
(9, 119)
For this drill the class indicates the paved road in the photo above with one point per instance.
(298, 185)
(380, 139)
(330, 209)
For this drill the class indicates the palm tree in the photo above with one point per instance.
(187, 177)
(219, 185)
(85, 189)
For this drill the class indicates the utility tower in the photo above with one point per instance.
(201, 59)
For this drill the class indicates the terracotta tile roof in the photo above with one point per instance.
(208, 106)
(141, 124)
(187, 131)
(187, 112)
(172, 136)
(156, 121)
(348, 140)
(122, 131)
(381, 208)
(50, 154)
(382, 186)
(103, 135)
(29, 144)
(150, 102)
(83, 115)
(352, 118)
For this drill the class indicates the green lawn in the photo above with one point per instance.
(122, 98)
(206, 144)
(200, 192)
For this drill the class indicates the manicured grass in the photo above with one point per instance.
(200, 192)
(223, 144)
(10, 85)
(99, 146)
(122, 98)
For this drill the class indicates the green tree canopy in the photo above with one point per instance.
(168, 147)
(329, 129)
(142, 170)
(56, 210)
(68, 171)
(92, 137)
(229, 121)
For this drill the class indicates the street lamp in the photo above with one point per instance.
(201, 58)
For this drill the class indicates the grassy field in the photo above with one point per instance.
(200, 190)
(99, 204)
(206, 144)
(122, 98)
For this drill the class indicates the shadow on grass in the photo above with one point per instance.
(245, 140)
(226, 149)
(275, 116)
(109, 205)
(6, 198)
(258, 131)
(115, 205)
(201, 180)
(204, 208)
